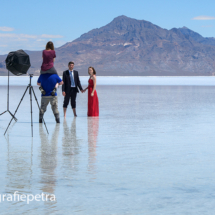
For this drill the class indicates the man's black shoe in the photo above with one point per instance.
(40, 118)
(57, 118)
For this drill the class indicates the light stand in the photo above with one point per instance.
(8, 101)
(31, 89)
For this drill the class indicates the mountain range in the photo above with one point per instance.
(130, 47)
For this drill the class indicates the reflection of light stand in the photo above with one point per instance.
(8, 101)
(30, 87)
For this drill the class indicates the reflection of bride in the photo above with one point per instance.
(93, 128)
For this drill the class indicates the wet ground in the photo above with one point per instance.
(151, 151)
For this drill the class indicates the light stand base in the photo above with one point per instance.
(10, 114)
(8, 100)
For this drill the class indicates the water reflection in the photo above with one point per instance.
(48, 159)
(93, 129)
(19, 167)
(71, 150)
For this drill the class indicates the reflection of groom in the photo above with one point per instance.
(70, 88)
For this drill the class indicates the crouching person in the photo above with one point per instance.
(48, 82)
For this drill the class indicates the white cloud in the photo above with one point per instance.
(12, 42)
(28, 36)
(51, 36)
(203, 18)
(20, 36)
(6, 29)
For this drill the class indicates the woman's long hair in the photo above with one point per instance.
(50, 45)
(94, 71)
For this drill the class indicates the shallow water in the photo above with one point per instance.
(126, 80)
(151, 151)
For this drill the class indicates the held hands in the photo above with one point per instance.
(92, 94)
(64, 94)
(83, 91)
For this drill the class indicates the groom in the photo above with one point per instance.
(70, 88)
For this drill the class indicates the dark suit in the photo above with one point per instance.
(71, 92)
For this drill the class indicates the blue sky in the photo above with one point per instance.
(29, 24)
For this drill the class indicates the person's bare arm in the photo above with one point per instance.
(53, 59)
(85, 89)
(63, 86)
(39, 84)
(61, 83)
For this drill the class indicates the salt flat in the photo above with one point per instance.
(151, 151)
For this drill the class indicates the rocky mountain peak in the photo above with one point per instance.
(128, 46)
(124, 22)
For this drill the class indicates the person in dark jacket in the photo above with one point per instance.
(70, 88)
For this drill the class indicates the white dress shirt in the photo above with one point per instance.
(72, 73)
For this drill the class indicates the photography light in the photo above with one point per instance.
(18, 62)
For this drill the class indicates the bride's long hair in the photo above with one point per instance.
(94, 71)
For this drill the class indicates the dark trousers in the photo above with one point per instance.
(70, 96)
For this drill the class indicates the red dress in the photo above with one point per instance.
(93, 101)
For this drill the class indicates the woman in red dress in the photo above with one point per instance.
(93, 101)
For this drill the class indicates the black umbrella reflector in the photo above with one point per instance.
(18, 62)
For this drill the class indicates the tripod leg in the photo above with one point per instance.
(16, 109)
(39, 108)
(31, 110)
(12, 115)
(3, 112)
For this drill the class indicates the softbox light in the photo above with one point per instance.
(18, 62)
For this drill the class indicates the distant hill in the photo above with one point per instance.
(128, 46)
(197, 37)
